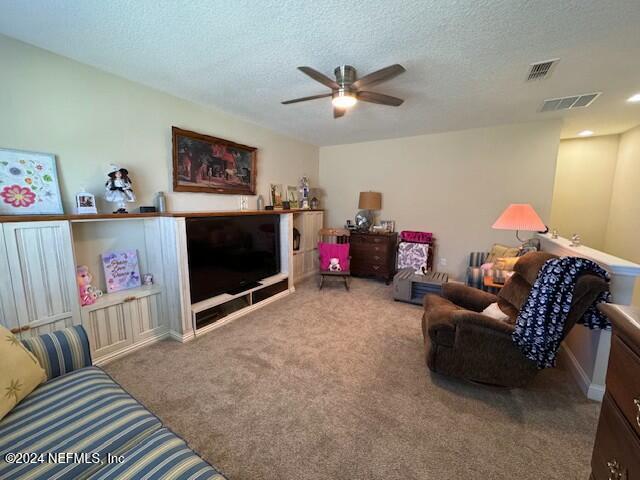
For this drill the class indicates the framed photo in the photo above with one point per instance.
(121, 270)
(202, 163)
(388, 225)
(29, 183)
(85, 203)
(276, 195)
(292, 196)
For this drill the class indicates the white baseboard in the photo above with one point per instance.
(187, 337)
(596, 392)
(305, 276)
(110, 357)
(593, 391)
(182, 338)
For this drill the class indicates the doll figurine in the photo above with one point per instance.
(118, 188)
(88, 294)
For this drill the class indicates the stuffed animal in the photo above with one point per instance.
(88, 294)
(334, 265)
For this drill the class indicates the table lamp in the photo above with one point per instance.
(367, 202)
(520, 217)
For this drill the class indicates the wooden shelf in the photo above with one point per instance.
(123, 296)
(226, 297)
(126, 216)
(76, 218)
(236, 213)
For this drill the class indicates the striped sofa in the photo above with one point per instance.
(81, 424)
(475, 276)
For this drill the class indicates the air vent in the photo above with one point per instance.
(541, 70)
(567, 103)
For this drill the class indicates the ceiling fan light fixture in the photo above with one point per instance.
(347, 89)
(342, 99)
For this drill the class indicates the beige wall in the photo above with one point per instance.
(623, 229)
(584, 177)
(89, 119)
(453, 184)
(596, 194)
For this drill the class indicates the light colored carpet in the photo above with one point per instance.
(333, 384)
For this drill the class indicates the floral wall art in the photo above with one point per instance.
(28, 183)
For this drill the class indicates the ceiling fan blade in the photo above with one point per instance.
(304, 99)
(378, 76)
(319, 77)
(338, 112)
(380, 98)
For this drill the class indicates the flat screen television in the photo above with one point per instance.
(231, 254)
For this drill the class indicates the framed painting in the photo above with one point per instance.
(202, 163)
(29, 183)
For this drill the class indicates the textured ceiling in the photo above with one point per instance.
(466, 60)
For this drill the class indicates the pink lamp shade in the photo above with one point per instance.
(520, 216)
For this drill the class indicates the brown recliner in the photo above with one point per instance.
(462, 342)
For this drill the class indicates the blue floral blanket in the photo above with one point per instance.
(540, 323)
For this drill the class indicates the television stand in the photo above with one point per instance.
(218, 310)
(244, 288)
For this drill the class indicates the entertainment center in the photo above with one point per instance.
(253, 255)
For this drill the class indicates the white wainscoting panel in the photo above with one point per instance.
(146, 317)
(109, 329)
(42, 270)
(8, 314)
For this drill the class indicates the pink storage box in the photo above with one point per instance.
(416, 237)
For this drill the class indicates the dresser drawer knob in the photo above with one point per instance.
(615, 470)
(636, 402)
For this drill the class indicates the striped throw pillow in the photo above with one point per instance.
(62, 351)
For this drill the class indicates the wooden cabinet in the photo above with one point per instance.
(8, 314)
(38, 277)
(616, 453)
(109, 328)
(374, 255)
(305, 259)
(146, 316)
(122, 321)
(39, 293)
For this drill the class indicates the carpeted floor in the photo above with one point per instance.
(333, 384)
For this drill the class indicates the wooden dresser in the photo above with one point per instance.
(616, 453)
(374, 255)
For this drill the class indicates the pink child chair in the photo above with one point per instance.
(333, 249)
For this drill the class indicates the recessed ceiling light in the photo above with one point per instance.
(585, 133)
(634, 98)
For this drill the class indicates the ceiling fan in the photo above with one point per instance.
(347, 89)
